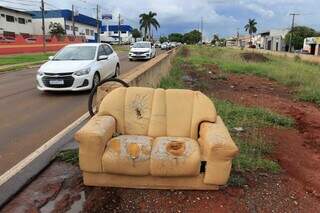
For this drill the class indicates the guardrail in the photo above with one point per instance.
(148, 74)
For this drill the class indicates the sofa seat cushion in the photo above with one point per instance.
(175, 156)
(128, 155)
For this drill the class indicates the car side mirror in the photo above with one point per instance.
(102, 57)
(50, 58)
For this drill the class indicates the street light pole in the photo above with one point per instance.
(292, 27)
(98, 25)
(43, 27)
(201, 30)
(119, 37)
(73, 30)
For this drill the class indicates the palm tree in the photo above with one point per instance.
(147, 21)
(251, 28)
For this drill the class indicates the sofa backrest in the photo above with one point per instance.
(158, 112)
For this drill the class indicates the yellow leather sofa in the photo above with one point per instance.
(156, 138)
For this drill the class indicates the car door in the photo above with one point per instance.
(103, 64)
(112, 60)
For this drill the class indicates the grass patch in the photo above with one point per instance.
(253, 155)
(120, 48)
(24, 58)
(174, 79)
(250, 117)
(69, 156)
(302, 76)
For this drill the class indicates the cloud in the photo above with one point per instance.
(219, 16)
(258, 9)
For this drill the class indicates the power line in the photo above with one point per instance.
(19, 4)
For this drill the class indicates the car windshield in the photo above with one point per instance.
(141, 45)
(76, 53)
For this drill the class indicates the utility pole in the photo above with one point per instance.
(292, 27)
(119, 37)
(201, 30)
(73, 30)
(238, 36)
(43, 27)
(98, 25)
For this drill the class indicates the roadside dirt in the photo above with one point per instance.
(60, 189)
(298, 150)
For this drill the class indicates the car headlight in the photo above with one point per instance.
(40, 73)
(82, 72)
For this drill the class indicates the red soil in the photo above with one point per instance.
(298, 151)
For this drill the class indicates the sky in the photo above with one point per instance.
(222, 17)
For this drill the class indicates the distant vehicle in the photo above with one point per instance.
(78, 67)
(173, 44)
(165, 46)
(157, 44)
(142, 50)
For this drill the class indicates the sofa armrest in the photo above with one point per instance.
(92, 138)
(218, 149)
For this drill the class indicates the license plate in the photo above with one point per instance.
(56, 82)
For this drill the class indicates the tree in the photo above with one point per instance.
(251, 28)
(147, 21)
(215, 39)
(136, 34)
(56, 29)
(175, 37)
(299, 33)
(163, 39)
(192, 37)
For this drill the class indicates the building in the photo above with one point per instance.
(239, 41)
(311, 45)
(273, 40)
(231, 42)
(14, 22)
(244, 41)
(83, 25)
(110, 33)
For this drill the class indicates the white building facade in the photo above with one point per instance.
(83, 25)
(110, 34)
(14, 22)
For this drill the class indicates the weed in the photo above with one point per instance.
(252, 156)
(302, 76)
(250, 117)
(69, 156)
(236, 180)
(173, 80)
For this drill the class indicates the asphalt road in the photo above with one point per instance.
(28, 117)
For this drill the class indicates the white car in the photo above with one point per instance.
(78, 67)
(164, 46)
(142, 50)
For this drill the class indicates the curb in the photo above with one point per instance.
(23, 172)
(7, 68)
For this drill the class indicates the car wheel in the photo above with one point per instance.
(117, 71)
(95, 80)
